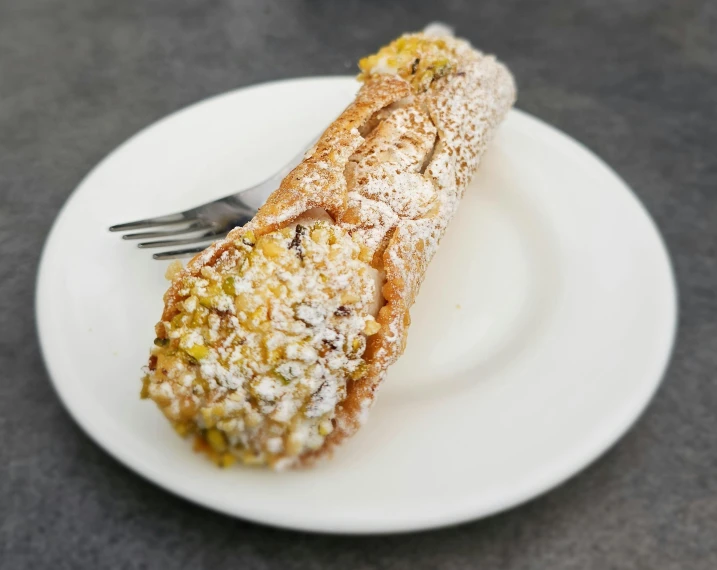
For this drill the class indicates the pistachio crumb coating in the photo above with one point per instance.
(261, 348)
(418, 59)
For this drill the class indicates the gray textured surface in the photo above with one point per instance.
(635, 80)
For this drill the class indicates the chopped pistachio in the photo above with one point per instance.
(228, 285)
(227, 460)
(281, 377)
(320, 235)
(249, 238)
(325, 427)
(182, 428)
(371, 327)
(360, 371)
(216, 440)
(270, 247)
(177, 321)
(198, 351)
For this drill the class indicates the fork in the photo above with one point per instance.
(208, 222)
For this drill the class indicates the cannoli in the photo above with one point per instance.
(274, 340)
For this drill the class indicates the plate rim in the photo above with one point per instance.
(470, 512)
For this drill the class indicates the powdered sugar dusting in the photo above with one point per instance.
(280, 327)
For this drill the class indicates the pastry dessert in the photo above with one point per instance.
(274, 340)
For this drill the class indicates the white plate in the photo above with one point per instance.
(541, 332)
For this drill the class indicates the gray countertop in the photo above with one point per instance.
(635, 81)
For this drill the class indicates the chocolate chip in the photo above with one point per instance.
(296, 242)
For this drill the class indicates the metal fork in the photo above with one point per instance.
(208, 222)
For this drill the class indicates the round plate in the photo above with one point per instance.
(541, 332)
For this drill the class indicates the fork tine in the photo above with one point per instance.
(152, 222)
(174, 254)
(170, 242)
(193, 227)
